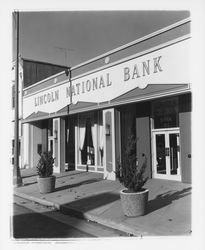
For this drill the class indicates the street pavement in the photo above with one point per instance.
(87, 195)
(30, 225)
(32, 221)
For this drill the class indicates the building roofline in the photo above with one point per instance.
(43, 62)
(139, 40)
(127, 45)
(37, 61)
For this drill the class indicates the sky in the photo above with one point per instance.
(72, 37)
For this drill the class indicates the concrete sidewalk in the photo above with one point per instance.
(88, 196)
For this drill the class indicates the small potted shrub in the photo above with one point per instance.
(134, 197)
(46, 179)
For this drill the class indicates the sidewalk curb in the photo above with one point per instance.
(37, 200)
(77, 213)
(91, 217)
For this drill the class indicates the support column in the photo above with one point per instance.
(109, 139)
(62, 145)
(25, 145)
(59, 144)
(117, 136)
(185, 137)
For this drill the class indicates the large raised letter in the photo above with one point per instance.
(145, 67)
(156, 64)
(126, 74)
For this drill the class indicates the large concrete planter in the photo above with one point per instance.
(134, 204)
(46, 184)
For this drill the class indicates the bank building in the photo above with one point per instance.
(85, 114)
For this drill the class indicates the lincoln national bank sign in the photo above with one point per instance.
(113, 80)
(103, 81)
(52, 96)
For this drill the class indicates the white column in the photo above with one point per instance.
(25, 145)
(56, 144)
(31, 150)
(77, 153)
(59, 144)
(62, 145)
(109, 144)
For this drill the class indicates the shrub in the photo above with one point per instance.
(45, 165)
(128, 172)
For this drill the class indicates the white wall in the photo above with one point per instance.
(25, 145)
(36, 138)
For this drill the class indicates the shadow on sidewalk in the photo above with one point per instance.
(28, 176)
(70, 174)
(93, 202)
(29, 183)
(58, 176)
(78, 184)
(166, 199)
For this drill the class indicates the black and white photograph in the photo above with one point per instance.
(102, 123)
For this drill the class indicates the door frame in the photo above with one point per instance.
(167, 176)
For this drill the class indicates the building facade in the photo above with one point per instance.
(30, 72)
(86, 115)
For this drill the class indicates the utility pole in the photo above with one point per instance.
(17, 180)
(68, 71)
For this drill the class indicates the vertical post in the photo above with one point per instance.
(68, 73)
(70, 85)
(17, 180)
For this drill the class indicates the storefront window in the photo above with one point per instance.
(70, 142)
(90, 139)
(165, 113)
(100, 139)
(87, 136)
(50, 127)
(50, 135)
(87, 152)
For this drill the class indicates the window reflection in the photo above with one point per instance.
(165, 113)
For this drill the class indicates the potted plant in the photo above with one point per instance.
(134, 197)
(46, 179)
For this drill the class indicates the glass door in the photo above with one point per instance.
(50, 135)
(166, 152)
(50, 144)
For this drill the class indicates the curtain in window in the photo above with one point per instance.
(94, 135)
(101, 139)
(67, 136)
(100, 131)
(82, 129)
